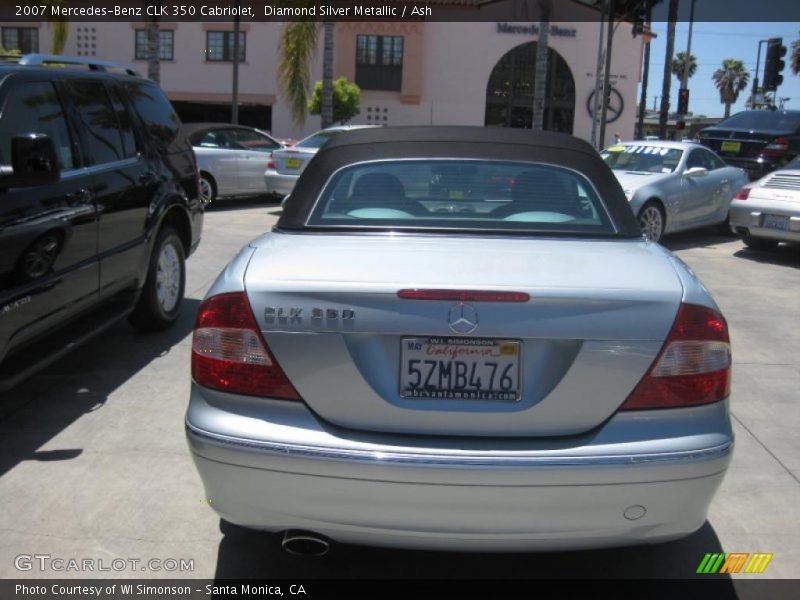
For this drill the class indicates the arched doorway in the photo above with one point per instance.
(509, 93)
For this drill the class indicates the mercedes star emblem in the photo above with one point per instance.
(462, 319)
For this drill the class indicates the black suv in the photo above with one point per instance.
(758, 141)
(98, 207)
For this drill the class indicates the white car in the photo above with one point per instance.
(767, 211)
(285, 165)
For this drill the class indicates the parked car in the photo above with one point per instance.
(528, 373)
(674, 186)
(286, 165)
(767, 211)
(758, 141)
(98, 207)
(231, 158)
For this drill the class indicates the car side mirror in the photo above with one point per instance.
(696, 172)
(33, 162)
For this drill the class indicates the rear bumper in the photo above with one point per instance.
(278, 183)
(756, 167)
(747, 218)
(286, 470)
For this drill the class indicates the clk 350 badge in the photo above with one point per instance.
(294, 314)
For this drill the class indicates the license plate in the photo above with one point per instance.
(733, 147)
(460, 368)
(293, 163)
(776, 222)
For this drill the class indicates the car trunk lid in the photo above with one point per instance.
(738, 143)
(329, 309)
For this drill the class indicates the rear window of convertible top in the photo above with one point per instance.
(463, 195)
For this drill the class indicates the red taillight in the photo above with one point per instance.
(270, 162)
(742, 194)
(693, 367)
(229, 354)
(464, 295)
(776, 147)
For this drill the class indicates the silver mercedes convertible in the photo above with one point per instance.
(457, 338)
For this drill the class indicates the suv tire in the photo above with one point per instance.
(159, 305)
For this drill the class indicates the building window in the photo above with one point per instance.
(24, 39)
(166, 45)
(379, 62)
(219, 46)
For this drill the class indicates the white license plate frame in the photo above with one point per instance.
(477, 354)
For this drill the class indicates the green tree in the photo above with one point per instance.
(730, 79)
(296, 51)
(679, 62)
(59, 25)
(346, 100)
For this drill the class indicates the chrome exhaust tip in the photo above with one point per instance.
(304, 543)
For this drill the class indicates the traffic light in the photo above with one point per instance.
(772, 70)
(638, 22)
(683, 101)
(679, 125)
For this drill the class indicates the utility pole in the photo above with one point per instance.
(645, 75)
(237, 27)
(607, 74)
(755, 90)
(598, 85)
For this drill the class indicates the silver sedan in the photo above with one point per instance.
(767, 211)
(436, 349)
(286, 165)
(674, 186)
(231, 159)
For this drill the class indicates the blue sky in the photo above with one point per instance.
(711, 44)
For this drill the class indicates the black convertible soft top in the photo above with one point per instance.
(494, 143)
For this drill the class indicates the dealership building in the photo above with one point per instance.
(410, 73)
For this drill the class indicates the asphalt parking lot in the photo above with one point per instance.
(93, 462)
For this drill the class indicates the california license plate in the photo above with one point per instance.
(732, 147)
(460, 368)
(293, 163)
(776, 222)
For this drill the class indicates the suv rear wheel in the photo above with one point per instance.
(160, 302)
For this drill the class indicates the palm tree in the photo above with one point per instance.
(731, 79)
(679, 62)
(666, 85)
(153, 36)
(794, 61)
(297, 45)
(645, 73)
(540, 72)
(60, 27)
